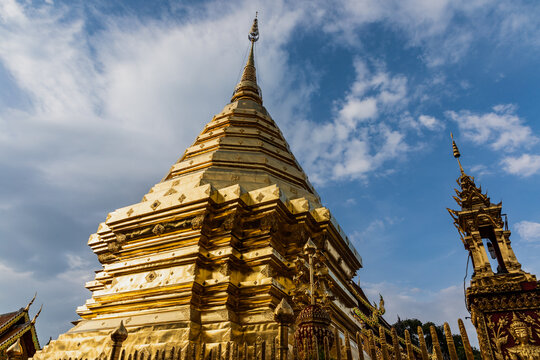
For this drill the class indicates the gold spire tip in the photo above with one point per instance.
(253, 35)
(247, 88)
(31, 302)
(457, 155)
(454, 147)
(37, 314)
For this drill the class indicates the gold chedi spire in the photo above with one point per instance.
(456, 153)
(207, 253)
(247, 88)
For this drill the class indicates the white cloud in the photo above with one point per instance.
(356, 110)
(391, 90)
(503, 131)
(58, 293)
(76, 262)
(423, 122)
(14, 275)
(523, 165)
(500, 129)
(480, 170)
(358, 140)
(430, 122)
(528, 230)
(431, 26)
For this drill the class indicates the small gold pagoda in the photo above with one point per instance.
(504, 300)
(213, 248)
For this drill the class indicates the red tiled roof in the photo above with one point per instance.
(15, 325)
(12, 331)
(17, 331)
(5, 318)
(9, 319)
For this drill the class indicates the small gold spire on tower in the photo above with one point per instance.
(37, 314)
(254, 33)
(456, 153)
(30, 303)
(247, 88)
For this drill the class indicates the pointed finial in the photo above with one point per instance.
(253, 35)
(37, 314)
(456, 153)
(454, 147)
(30, 303)
(120, 333)
(284, 312)
(247, 88)
(309, 250)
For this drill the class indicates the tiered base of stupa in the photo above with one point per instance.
(210, 271)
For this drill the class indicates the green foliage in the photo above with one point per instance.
(412, 326)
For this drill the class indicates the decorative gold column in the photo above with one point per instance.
(423, 346)
(435, 342)
(118, 337)
(465, 339)
(408, 344)
(284, 315)
(450, 342)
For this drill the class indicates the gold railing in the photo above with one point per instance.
(362, 346)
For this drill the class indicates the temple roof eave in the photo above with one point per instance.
(9, 319)
(16, 332)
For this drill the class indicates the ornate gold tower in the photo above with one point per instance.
(211, 250)
(504, 300)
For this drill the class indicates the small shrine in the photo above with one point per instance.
(504, 300)
(18, 333)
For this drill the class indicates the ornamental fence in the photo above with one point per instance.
(364, 345)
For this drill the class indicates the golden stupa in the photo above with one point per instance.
(212, 249)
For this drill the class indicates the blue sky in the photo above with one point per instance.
(98, 100)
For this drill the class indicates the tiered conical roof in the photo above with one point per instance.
(241, 145)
